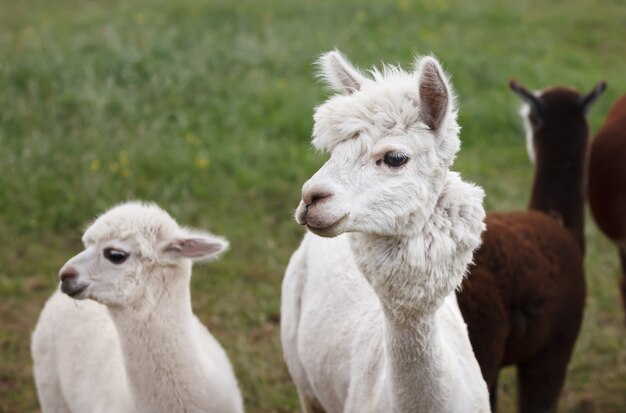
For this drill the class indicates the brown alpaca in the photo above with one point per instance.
(606, 183)
(523, 300)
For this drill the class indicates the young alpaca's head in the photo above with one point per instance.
(391, 138)
(555, 121)
(132, 252)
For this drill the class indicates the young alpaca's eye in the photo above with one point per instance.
(395, 159)
(115, 256)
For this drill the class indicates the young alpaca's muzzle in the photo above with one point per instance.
(70, 284)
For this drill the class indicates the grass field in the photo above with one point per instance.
(205, 107)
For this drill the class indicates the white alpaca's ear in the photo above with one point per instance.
(339, 73)
(434, 92)
(197, 246)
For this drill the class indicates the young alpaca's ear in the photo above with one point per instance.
(587, 100)
(434, 92)
(197, 246)
(339, 73)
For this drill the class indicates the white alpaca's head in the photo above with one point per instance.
(391, 137)
(131, 253)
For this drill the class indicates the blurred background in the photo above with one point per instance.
(206, 108)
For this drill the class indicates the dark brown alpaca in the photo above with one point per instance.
(523, 300)
(606, 185)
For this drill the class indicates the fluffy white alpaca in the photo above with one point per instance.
(370, 322)
(137, 347)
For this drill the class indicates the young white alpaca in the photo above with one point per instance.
(370, 322)
(137, 347)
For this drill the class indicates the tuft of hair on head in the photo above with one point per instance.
(339, 73)
(196, 245)
(132, 213)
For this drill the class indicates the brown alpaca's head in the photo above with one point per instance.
(555, 122)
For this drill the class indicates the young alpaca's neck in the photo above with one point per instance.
(558, 191)
(162, 356)
(411, 277)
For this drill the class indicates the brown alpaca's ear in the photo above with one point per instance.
(587, 100)
(535, 103)
(434, 93)
(339, 73)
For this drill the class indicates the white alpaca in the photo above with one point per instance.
(370, 321)
(137, 347)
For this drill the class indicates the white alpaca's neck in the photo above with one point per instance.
(162, 356)
(414, 366)
(412, 346)
(411, 277)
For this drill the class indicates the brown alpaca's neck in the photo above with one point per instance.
(558, 191)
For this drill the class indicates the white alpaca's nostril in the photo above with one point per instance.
(68, 273)
(310, 198)
(301, 213)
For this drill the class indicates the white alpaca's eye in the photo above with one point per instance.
(115, 256)
(395, 159)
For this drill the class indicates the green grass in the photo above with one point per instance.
(205, 108)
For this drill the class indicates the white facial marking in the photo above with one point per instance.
(528, 128)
